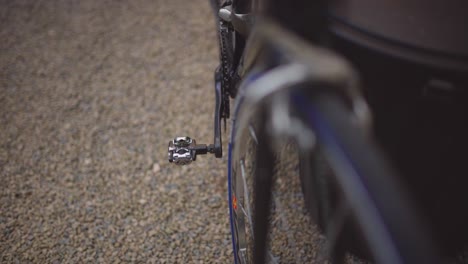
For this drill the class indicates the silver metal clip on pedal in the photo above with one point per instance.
(184, 150)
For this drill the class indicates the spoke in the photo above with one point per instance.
(241, 207)
(246, 196)
(253, 134)
(243, 255)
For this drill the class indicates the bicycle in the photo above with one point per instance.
(289, 83)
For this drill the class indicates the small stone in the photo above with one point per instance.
(214, 201)
(142, 201)
(156, 168)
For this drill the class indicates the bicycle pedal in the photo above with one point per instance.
(184, 150)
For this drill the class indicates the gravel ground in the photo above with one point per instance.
(90, 94)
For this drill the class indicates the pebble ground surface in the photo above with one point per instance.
(90, 94)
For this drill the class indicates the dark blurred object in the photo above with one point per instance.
(436, 28)
(413, 59)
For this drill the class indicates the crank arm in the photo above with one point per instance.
(218, 147)
(184, 150)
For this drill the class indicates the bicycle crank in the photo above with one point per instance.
(184, 150)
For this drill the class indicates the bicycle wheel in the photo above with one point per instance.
(359, 198)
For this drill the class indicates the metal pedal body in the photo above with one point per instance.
(184, 150)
